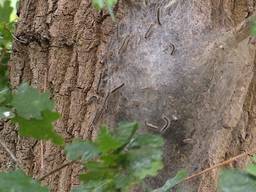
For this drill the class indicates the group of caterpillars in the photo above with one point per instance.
(167, 122)
(149, 31)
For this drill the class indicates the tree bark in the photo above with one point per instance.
(187, 62)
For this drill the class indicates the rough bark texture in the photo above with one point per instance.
(192, 65)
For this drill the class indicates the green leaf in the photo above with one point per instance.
(17, 181)
(83, 150)
(124, 182)
(106, 142)
(98, 174)
(251, 169)
(125, 133)
(30, 103)
(145, 155)
(6, 29)
(5, 11)
(95, 186)
(40, 129)
(5, 96)
(6, 113)
(236, 181)
(149, 140)
(170, 183)
(3, 71)
(253, 28)
(125, 159)
(111, 3)
(5, 56)
(253, 158)
(145, 162)
(98, 4)
(126, 130)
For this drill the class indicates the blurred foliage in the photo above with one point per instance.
(253, 28)
(105, 4)
(117, 160)
(236, 180)
(18, 181)
(6, 28)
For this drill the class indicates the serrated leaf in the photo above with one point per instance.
(106, 142)
(5, 11)
(125, 133)
(145, 155)
(30, 103)
(83, 150)
(17, 181)
(6, 113)
(125, 158)
(236, 181)
(40, 128)
(170, 183)
(145, 162)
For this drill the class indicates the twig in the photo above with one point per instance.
(10, 153)
(56, 170)
(219, 165)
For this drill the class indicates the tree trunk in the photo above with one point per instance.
(186, 66)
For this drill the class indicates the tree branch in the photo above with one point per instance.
(220, 164)
(56, 170)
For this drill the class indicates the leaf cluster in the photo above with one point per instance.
(32, 110)
(117, 160)
(17, 181)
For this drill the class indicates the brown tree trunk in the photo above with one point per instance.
(188, 61)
